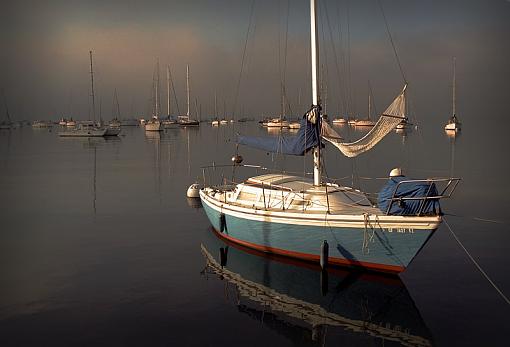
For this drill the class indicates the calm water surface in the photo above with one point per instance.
(100, 246)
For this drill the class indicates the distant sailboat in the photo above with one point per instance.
(367, 122)
(90, 128)
(6, 124)
(70, 123)
(41, 124)
(453, 123)
(339, 120)
(115, 122)
(154, 124)
(215, 121)
(186, 120)
(280, 122)
(168, 122)
(113, 128)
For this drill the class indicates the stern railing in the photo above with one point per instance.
(447, 185)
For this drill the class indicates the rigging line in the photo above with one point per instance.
(478, 219)
(323, 75)
(345, 95)
(373, 98)
(349, 76)
(173, 90)
(476, 264)
(341, 83)
(242, 62)
(391, 40)
(284, 72)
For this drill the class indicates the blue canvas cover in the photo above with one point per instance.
(412, 189)
(306, 138)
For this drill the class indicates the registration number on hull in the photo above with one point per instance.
(400, 230)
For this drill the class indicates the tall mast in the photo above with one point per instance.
(453, 96)
(6, 107)
(168, 90)
(369, 109)
(315, 91)
(282, 111)
(92, 88)
(299, 100)
(187, 88)
(157, 88)
(215, 105)
(117, 116)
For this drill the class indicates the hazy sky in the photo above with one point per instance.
(45, 45)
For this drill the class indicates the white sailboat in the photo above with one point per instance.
(281, 121)
(215, 121)
(115, 122)
(316, 220)
(113, 128)
(168, 122)
(41, 124)
(339, 120)
(186, 120)
(366, 122)
(154, 124)
(90, 128)
(453, 123)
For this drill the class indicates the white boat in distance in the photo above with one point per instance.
(70, 123)
(41, 124)
(453, 123)
(366, 122)
(87, 128)
(339, 120)
(186, 120)
(294, 125)
(83, 130)
(277, 123)
(154, 124)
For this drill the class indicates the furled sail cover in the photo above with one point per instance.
(386, 123)
(408, 190)
(306, 138)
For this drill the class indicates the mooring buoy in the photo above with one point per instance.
(193, 191)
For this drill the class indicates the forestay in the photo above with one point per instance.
(389, 119)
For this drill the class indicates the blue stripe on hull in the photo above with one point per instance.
(353, 244)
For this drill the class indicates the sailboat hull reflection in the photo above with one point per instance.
(300, 302)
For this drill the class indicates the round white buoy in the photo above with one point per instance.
(193, 191)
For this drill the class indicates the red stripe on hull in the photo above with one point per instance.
(313, 258)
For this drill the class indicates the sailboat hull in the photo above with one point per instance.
(385, 249)
(153, 126)
(112, 131)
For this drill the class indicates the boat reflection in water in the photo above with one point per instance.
(309, 306)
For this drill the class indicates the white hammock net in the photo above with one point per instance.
(386, 123)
